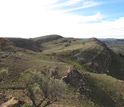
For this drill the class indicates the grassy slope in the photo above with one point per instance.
(20, 61)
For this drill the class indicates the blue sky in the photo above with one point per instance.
(69, 18)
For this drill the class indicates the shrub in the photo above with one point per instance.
(42, 88)
(66, 45)
(26, 105)
(3, 73)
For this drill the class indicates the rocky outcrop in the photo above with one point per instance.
(13, 102)
(76, 79)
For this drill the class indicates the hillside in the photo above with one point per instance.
(47, 38)
(92, 71)
(25, 43)
(115, 44)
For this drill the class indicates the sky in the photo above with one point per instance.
(68, 18)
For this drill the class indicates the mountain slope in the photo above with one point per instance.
(90, 69)
(91, 54)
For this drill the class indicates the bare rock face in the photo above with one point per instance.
(76, 79)
(13, 102)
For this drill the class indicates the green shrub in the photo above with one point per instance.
(42, 88)
(68, 44)
(3, 73)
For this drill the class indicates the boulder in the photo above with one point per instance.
(75, 78)
(13, 102)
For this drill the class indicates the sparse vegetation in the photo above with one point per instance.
(42, 89)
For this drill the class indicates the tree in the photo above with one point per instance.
(42, 89)
(3, 73)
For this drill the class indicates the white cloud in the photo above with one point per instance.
(67, 3)
(85, 5)
(31, 18)
(105, 29)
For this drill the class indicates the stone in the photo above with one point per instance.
(13, 102)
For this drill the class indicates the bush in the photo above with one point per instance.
(66, 45)
(42, 88)
(3, 73)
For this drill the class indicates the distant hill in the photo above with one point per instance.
(47, 38)
(115, 44)
(25, 43)
(34, 44)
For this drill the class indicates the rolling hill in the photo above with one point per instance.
(93, 72)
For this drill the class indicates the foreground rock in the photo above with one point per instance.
(76, 79)
(13, 102)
